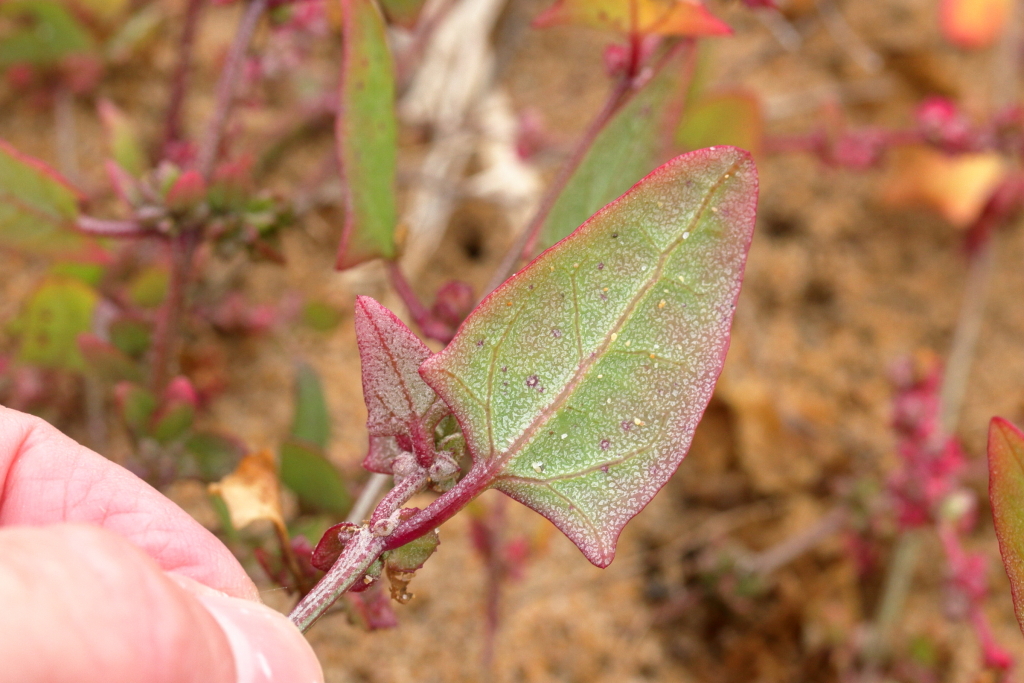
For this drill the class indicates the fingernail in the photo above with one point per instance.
(267, 647)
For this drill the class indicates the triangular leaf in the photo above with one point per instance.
(397, 398)
(1006, 491)
(579, 382)
(629, 147)
(643, 17)
(367, 137)
(37, 206)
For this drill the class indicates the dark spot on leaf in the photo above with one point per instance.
(555, 332)
(531, 381)
(604, 468)
(600, 266)
(480, 342)
(615, 235)
(504, 368)
(605, 443)
(626, 425)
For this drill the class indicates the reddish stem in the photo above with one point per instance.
(165, 337)
(107, 228)
(182, 76)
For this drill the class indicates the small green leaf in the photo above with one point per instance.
(59, 311)
(44, 33)
(123, 143)
(89, 273)
(321, 316)
(149, 288)
(580, 381)
(313, 478)
(629, 147)
(724, 119)
(311, 423)
(367, 137)
(38, 208)
(131, 336)
(216, 455)
(174, 421)
(1006, 491)
(137, 406)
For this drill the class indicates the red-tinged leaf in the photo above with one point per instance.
(724, 119)
(643, 17)
(1006, 491)
(188, 190)
(331, 544)
(579, 382)
(107, 361)
(122, 139)
(397, 399)
(630, 146)
(404, 13)
(38, 207)
(367, 137)
(974, 24)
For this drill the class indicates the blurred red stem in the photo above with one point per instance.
(165, 337)
(182, 76)
(209, 150)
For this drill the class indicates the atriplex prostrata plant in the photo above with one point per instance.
(576, 385)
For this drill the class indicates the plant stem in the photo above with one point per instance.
(101, 227)
(165, 337)
(365, 548)
(360, 552)
(210, 147)
(404, 290)
(182, 73)
(894, 595)
(367, 498)
(527, 240)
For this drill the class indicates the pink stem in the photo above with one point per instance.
(181, 77)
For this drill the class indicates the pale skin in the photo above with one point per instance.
(104, 579)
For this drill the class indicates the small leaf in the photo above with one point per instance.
(397, 398)
(107, 361)
(136, 405)
(215, 454)
(308, 473)
(131, 336)
(149, 288)
(629, 147)
(652, 17)
(367, 137)
(321, 316)
(122, 139)
(974, 24)
(725, 119)
(331, 544)
(401, 564)
(404, 13)
(44, 32)
(579, 382)
(311, 423)
(1006, 491)
(956, 186)
(58, 312)
(251, 492)
(37, 206)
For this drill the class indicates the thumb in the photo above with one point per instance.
(82, 604)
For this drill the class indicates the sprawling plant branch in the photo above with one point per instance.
(182, 76)
(209, 148)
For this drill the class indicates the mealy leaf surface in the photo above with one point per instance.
(1006, 491)
(396, 396)
(579, 382)
(367, 137)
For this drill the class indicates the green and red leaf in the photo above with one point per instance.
(38, 207)
(579, 382)
(1006, 491)
(367, 137)
(637, 17)
(397, 398)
